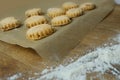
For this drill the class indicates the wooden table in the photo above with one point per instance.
(15, 59)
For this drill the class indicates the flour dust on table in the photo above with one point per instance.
(100, 60)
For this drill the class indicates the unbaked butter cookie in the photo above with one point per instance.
(39, 32)
(54, 12)
(60, 20)
(9, 23)
(87, 6)
(75, 12)
(69, 5)
(33, 12)
(35, 20)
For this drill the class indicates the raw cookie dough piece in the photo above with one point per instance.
(60, 20)
(54, 12)
(39, 32)
(87, 6)
(75, 12)
(35, 20)
(9, 23)
(69, 5)
(33, 12)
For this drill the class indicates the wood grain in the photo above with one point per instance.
(10, 67)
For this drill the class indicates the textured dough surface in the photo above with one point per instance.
(75, 12)
(60, 20)
(39, 32)
(54, 12)
(87, 6)
(69, 5)
(33, 12)
(35, 20)
(9, 23)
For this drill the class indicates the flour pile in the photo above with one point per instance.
(99, 60)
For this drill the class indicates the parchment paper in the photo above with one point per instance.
(66, 38)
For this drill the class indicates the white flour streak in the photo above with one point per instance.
(99, 60)
(117, 1)
(15, 77)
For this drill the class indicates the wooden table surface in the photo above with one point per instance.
(15, 59)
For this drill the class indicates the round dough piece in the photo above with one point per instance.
(54, 12)
(33, 12)
(87, 6)
(39, 32)
(35, 20)
(75, 12)
(69, 5)
(60, 20)
(9, 23)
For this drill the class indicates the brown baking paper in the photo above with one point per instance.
(65, 38)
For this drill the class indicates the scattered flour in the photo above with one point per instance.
(15, 77)
(117, 1)
(99, 60)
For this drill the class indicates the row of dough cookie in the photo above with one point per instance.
(54, 12)
(73, 11)
(51, 12)
(13, 23)
(34, 20)
(85, 6)
(58, 21)
(70, 9)
(77, 11)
